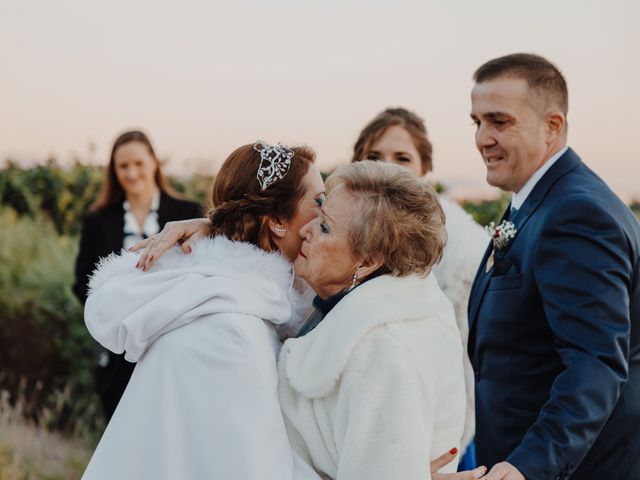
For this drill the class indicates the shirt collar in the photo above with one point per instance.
(518, 198)
(326, 305)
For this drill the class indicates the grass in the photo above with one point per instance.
(31, 452)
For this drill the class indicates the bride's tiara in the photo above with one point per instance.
(275, 161)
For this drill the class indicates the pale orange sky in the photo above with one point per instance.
(203, 77)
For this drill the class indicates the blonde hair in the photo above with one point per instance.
(398, 217)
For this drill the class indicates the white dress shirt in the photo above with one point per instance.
(133, 232)
(519, 197)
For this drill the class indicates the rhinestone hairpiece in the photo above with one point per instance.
(275, 161)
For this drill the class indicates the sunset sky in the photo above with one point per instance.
(203, 77)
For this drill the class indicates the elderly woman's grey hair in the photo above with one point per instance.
(396, 216)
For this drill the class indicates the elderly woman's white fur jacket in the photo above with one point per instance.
(376, 390)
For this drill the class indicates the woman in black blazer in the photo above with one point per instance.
(135, 202)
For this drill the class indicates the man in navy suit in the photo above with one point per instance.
(554, 312)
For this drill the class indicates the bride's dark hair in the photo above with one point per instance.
(241, 209)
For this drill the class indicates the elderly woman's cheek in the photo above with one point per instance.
(299, 267)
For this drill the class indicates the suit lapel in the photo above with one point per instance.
(112, 230)
(481, 281)
(566, 163)
(165, 209)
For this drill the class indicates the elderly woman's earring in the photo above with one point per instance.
(355, 279)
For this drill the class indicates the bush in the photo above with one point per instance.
(635, 208)
(63, 195)
(46, 352)
(487, 211)
(196, 188)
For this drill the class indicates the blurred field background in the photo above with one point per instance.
(50, 418)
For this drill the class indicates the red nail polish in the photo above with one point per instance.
(188, 249)
(138, 264)
(453, 451)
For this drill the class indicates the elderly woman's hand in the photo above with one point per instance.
(184, 232)
(445, 459)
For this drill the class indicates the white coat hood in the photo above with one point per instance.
(128, 309)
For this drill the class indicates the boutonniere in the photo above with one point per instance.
(501, 236)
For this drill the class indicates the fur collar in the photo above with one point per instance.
(314, 363)
(213, 255)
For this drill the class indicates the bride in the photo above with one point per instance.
(203, 399)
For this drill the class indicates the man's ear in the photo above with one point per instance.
(278, 228)
(368, 266)
(556, 125)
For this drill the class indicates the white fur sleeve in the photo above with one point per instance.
(127, 310)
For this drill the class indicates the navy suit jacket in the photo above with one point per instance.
(555, 334)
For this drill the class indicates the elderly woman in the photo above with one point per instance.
(373, 387)
(377, 387)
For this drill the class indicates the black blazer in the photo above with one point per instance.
(555, 334)
(103, 234)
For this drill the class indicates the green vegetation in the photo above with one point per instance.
(487, 211)
(48, 413)
(635, 207)
(63, 195)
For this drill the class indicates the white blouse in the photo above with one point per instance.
(133, 233)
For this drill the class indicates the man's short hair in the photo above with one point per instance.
(543, 77)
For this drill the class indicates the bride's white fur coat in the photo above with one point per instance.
(202, 401)
(377, 388)
(127, 310)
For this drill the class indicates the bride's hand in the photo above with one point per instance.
(183, 232)
(445, 459)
